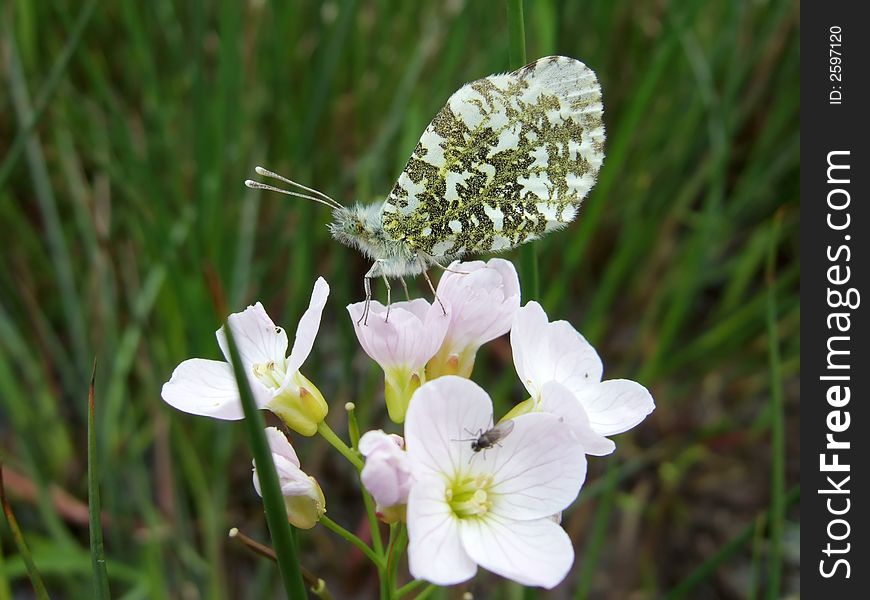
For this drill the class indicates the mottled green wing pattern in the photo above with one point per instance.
(509, 158)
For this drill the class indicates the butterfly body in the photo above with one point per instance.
(508, 159)
(361, 227)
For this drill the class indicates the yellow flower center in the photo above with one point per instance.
(269, 374)
(470, 496)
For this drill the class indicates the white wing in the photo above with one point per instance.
(509, 158)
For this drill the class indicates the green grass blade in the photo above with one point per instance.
(59, 250)
(98, 555)
(702, 572)
(47, 92)
(777, 430)
(21, 544)
(273, 501)
(599, 533)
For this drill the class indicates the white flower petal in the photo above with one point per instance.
(280, 445)
(443, 415)
(527, 331)
(257, 338)
(551, 351)
(435, 551)
(538, 468)
(615, 405)
(556, 399)
(536, 552)
(204, 387)
(308, 327)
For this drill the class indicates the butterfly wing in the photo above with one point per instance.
(509, 158)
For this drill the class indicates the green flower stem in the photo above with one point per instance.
(364, 548)
(410, 587)
(427, 591)
(330, 436)
(398, 541)
(373, 521)
(352, 425)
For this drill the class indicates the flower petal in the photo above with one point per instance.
(482, 299)
(435, 550)
(536, 552)
(408, 339)
(551, 352)
(387, 471)
(556, 399)
(308, 327)
(443, 416)
(204, 387)
(257, 338)
(538, 468)
(615, 405)
(280, 445)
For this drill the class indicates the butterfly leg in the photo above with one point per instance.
(387, 283)
(367, 284)
(405, 286)
(432, 287)
(448, 269)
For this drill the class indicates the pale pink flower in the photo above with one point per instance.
(557, 365)
(302, 494)
(493, 508)
(481, 299)
(401, 344)
(208, 387)
(387, 472)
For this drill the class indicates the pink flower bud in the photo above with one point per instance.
(387, 474)
(302, 494)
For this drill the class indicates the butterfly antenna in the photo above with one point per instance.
(321, 197)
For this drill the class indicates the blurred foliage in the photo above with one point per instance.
(126, 130)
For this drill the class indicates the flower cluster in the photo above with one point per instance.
(472, 490)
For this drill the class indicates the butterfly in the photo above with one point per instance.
(509, 158)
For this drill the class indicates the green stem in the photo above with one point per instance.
(363, 547)
(352, 425)
(410, 587)
(394, 554)
(373, 521)
(330, 436)
(427, 591)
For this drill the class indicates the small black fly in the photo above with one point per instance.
(486, 439)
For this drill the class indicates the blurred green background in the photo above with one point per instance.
(126, 130)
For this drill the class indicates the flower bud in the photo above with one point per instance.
(302, 495)
(386, 474)
(300, 405)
